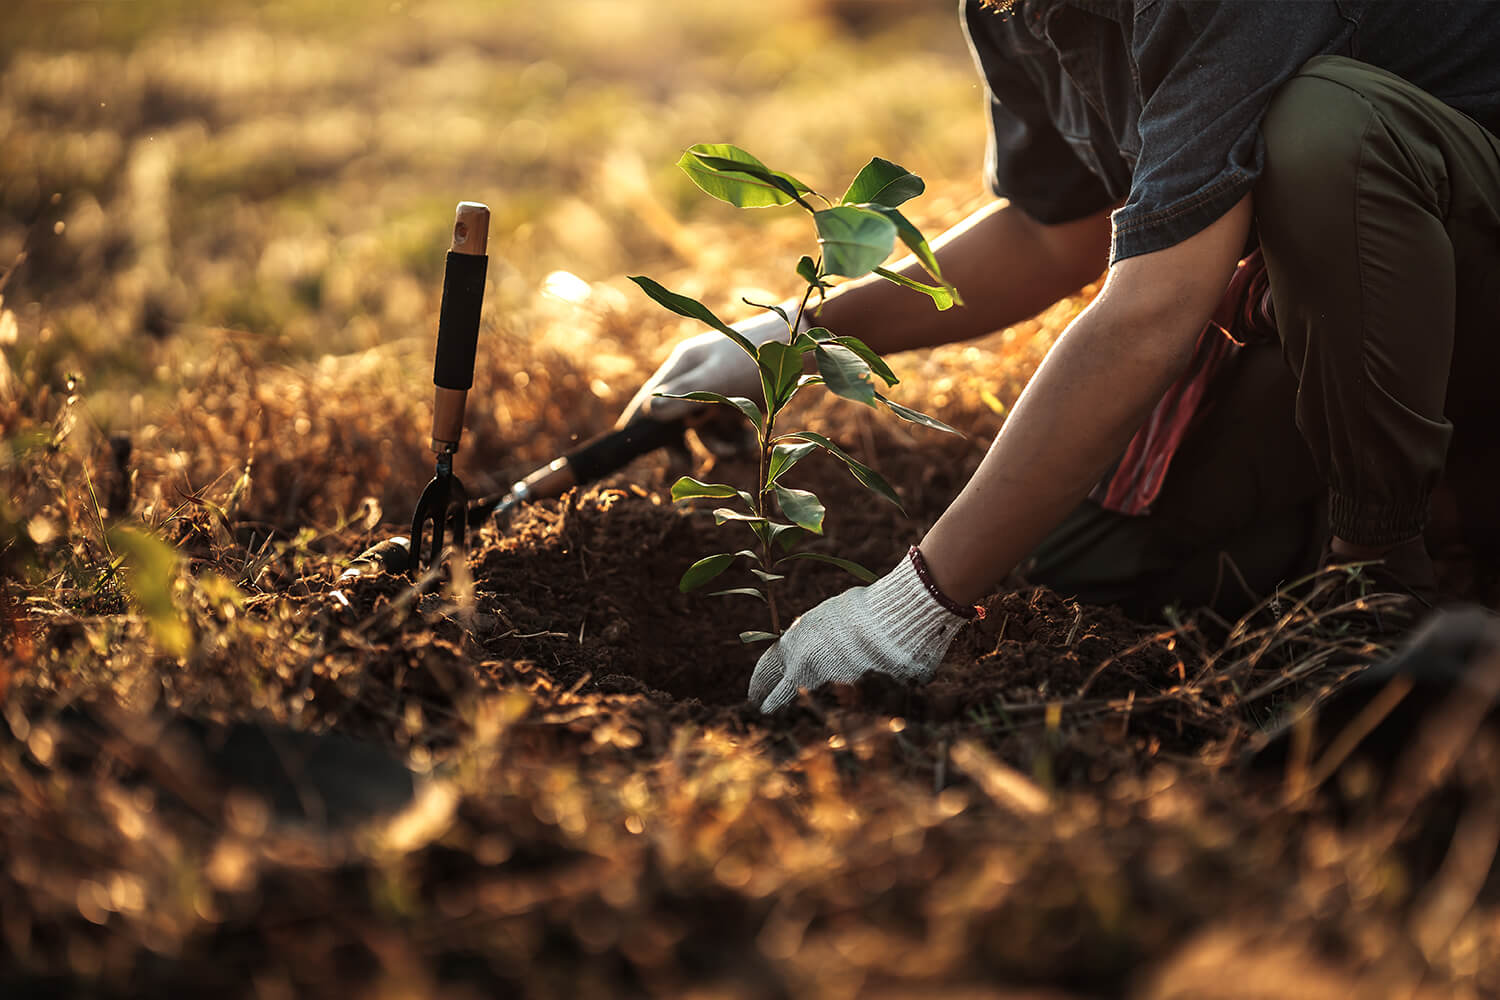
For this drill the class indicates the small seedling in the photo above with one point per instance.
(855, 235)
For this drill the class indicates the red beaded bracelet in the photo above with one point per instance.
(925, 575)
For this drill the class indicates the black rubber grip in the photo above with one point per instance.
(458, 321)
(610, 452)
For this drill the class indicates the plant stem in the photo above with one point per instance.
(771, 603)
(767, 549)
(802, 309)
(762, 510)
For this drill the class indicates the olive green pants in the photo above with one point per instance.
(1241, 511)
(1379, 219)
(1378, 214)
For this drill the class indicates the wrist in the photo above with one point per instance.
(906, 623)
(910, 604)
(930, 584)
(958, 557)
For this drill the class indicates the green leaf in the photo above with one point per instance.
(917, 244)
(911, 236)
(778, 533)
(809, 380)
(916, 417)
(704, 570)
(775, 309)
(692, 309)
(752, 555)
(787, 535)
(784, 456)
(845, 373)
(802, 507)
(732, 175)
(855, 240)
(150, 573)
(852, 567)
(767, 577)
(723, 514)
(807, 270)
(739, 592)
(688, 488)
(867, 476)
(883, 183)
(867, 354)
(748, 637)
(745, 406)
(780, 366)
(743, 165)
(802, 345)
(942, 296)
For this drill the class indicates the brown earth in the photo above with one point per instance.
(1058, 813)
(579, 595)
(1062, 811)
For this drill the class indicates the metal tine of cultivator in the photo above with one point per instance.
(441, 514)
(442, 504)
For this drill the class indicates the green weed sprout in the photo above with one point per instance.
(855, 236)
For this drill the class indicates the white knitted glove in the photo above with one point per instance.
(709, 362)
(898, 625)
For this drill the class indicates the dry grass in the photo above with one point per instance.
(227, 230)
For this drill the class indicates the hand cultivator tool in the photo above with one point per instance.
(443, 510)
(443, 504)
(583, 465)
(588, 462)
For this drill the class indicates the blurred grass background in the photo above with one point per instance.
(228, 222)
(282, 175)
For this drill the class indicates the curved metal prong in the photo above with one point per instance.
(457, 512)
(428, 523)
(441, 514)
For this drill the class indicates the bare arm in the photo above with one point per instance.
(1007, 267)
(1089, 395)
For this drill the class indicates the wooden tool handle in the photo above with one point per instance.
(458, 324)
(471, 229)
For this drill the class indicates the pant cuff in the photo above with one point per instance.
(1375, 525)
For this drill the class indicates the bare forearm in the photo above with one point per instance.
(1093, 390)
(1074, 418)
(1006, 266)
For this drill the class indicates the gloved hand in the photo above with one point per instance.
(708, 362)
(899, 625)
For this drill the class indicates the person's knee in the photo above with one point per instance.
(1314, 133)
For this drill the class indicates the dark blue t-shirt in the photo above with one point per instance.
(1158, 103)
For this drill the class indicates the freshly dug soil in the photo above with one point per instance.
(576, 598)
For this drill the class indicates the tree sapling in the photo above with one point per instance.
(855, 235)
